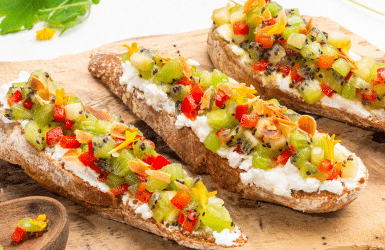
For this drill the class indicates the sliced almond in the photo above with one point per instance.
(267, 14)
(101, 115)
(41, 100)
(121, 127)
(187, 69)
(309, 25)
(258, 107)
(117, 134)
(205, 101)
(82, 136)
(139, 166)
(159, 175)
(71, 155)
(181, 186)
(36, 84)
(307, 124)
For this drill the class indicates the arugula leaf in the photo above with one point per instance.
(59, 14)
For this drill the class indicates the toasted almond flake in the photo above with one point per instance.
(72, 152)
(225, 89)
(302, 31)
(267, 14)
(116, 134)
(187, 69)
(309, 25)
(307, 124)
(251, 4)
(41, 100)
(159, 175)
(99, 114)
(36, 84)
(257, 107)
(205, 101)
(234, 85)
(286, 129)
(271, 127)
(181, 186)
(286, 122)
(163, 58)
(44, 94)
(139, 166)
(258, 18)
(121, 127)
(82, 136)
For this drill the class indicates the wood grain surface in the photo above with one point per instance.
(360, 226)
(54, 237)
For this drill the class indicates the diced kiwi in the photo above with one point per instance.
(318, 140)
(329, 50)
(302, 155)
(359, 83)
(292, 115)
(290, 30)
(154, 185)
(19, 112)
(176, 172)
(308, 68)
(295, 20)
(348, 90)
(205, 78)
(308, 170)
(276, 53)
(374, 68)
(341, 66)
(249, 142)
(212, 142)
(74, 100)
(170, 72)
(237, 16)
(339, 40)
(297, 40)
(226, 32)
(220, 118)
(276, 144)
(178, 92)
(274, 8)
(114, 180)
(102, 145)
(350, 167)
(331, 78)
(299, 139)
(75, 111)
(143, 148)
(142, 62)
(254, 52)
(264, 151)
(310, 91)
(317, 155)
(95, 127)
(364, 66)
(216, 216)
(293, 11)
(262, 162)
(317, 35)
(311, 50)
(34, 135)
(218, 77)
(44, 77)
(221, 16)
(119, 165)
(162, 207)
(44, 114)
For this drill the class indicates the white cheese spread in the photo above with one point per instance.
(227, 237)
(139, 207)
(199, 126)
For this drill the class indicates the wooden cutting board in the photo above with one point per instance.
(361, 225)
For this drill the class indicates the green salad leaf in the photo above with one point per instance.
(58, 14)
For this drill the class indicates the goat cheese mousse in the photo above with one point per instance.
(276, 148)
(115, 157)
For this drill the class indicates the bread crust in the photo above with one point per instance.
(229, 63)
(51, 175)
(107, 67)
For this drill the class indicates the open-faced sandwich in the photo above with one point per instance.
(285, 57)
(258, 149)
(96, 160)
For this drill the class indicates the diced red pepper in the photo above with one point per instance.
(334, 174)
(239, 150)
(189, 223)
(68, 124)
(185, 81)
(260, 65)
(54, 136)
(284, 157)
(221, 98)
(181, 218)
(241, 110)
(59, 114)
(292, 148)
(18, 234)
(69, 141)
(28, 104)
(326, 89)
(369, 95)
(380, 75)
(118, 141)
(103, 176)
(269, 22)
(325, 61)
(325, 166)
(189, 107)
(142, 194)
(266, 41)
(16, 97)
(156, 162)
(290, 52)
(120, 189)
(350, 74)
(294, 74)
(282, 41)
(249, 121)
(197, 93)
(241, 28)
(181, 199)
(284, 69)
(88, 158)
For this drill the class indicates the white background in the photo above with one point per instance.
(115, 20)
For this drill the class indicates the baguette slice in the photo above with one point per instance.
(51, 173)
(223, 57)
(184, 141)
